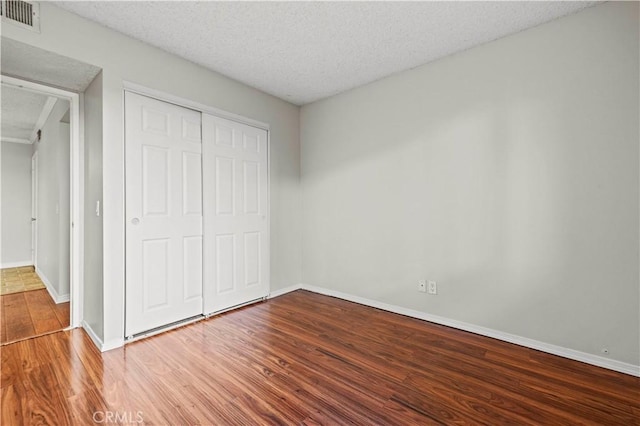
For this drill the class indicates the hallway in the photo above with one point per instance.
(28, 310)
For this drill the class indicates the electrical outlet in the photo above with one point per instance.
(422, 286)
(432, 287)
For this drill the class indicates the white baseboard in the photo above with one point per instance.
(102, 347)
(112, 344)
(611, 364)
(596, 360)
(285, 290)
(92, 334)
(57, 298)
(16, 264)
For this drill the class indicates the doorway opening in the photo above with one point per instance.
(42, 225)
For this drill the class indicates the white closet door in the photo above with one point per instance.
(236, 212)
(163, 148)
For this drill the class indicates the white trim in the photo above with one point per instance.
(160, 330)
(77, 187)
(102, 346)
(177, 100)
(16, 140)
(284, 291)
(611, 364)
(268, 264)
(44, 114)
(112, 344)
(234, 307)
(93, 335)
(57, 298)
(16, 264)
(34, 207)
(32, 86)
(77, 239)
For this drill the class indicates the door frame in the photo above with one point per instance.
(76, 195)
(34, 209)
(159, 95)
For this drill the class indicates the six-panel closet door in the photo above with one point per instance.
(197, 228)
(163, 161)
(236, 231)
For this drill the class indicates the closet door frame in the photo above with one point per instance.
(206, 109)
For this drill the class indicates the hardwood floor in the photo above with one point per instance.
(307, 359)
(30, 314)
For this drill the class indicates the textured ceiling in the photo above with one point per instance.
(20, 112)
(305, 51)
(31, 63)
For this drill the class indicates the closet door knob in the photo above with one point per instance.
(135, 221)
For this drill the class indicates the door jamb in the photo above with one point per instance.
(34, 208)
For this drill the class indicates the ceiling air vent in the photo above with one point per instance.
(22, 13)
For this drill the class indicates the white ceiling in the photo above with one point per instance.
(20, 113)
(305, 51)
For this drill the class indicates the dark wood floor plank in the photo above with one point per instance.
(45, 405)
(62, 312)
(413, 415)
(510, 381)
(226, 388)
(93, 362)
(195, 397)
(591, 406)
(88, 407)
(308, 359)
(488, 397)
(41, 310)
(70, 373)
(318, 361)
(243, 363)
(17, 317)
(275, 375)
(575, 371)
(352, 347)
(3, 323)
(31, 313)
(18, 360)
(12, 407)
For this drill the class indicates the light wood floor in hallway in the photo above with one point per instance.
(30, 313)
(307, 359)
(17, 280)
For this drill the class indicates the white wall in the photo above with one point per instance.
(122, 58)
(508, 173)
(52, 260)
(64, 202)
(93, 284)
(16, 204)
